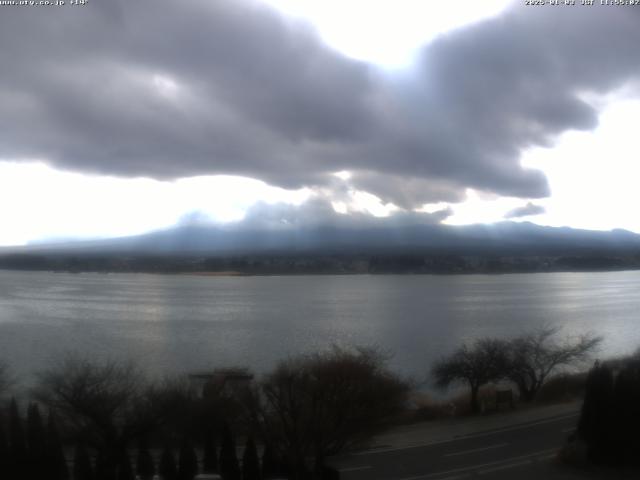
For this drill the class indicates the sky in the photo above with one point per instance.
(124, 117)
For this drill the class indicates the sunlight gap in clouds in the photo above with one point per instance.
(386, 32)
(593, 176)
(343, 175)
(38, 202)
(165, 86)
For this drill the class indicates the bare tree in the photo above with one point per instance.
(106, 403)
(477, 364)
(319, 405)
(6, 380)
(536, 355)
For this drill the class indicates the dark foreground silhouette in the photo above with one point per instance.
(106, 421)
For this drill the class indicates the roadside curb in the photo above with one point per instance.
(434, 432)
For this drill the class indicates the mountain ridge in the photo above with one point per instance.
(215, 239)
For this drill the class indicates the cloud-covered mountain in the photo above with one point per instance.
(314, 227)
(508, 238)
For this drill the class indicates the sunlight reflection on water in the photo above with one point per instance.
(176, 323)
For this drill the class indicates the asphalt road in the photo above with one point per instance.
(511, 452)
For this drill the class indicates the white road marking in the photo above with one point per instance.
(355, 469)
(456, 477)
(465, 452)
(482, 465)
(504, 467)
(469, 436)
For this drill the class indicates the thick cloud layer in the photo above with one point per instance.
(171, 89)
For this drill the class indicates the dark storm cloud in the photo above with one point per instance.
(526, 211)
(252, 90)
(496, 88)
(89, 89)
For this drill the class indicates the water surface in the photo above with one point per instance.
(177, 323)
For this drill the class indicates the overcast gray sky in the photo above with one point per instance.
(120, 117)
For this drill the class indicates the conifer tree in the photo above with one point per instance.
(36, 444)
(595, 425)
(144, 462)
(210, 454)
(269, 463)
(284, 467)
(187, 462)
(229, 468)
(626, 421)
(106, 466)
(167, 468)
(82, 468)
(125, 472)
(18, 458)
(56, 462)
(250, 462)
(4, 452)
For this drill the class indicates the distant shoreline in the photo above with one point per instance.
(228, 273)
(317, 274)
(300, 263)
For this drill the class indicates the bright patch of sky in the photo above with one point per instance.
(593, 177)
(386, 32)
(39, 203)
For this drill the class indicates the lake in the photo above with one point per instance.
(181, 323)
